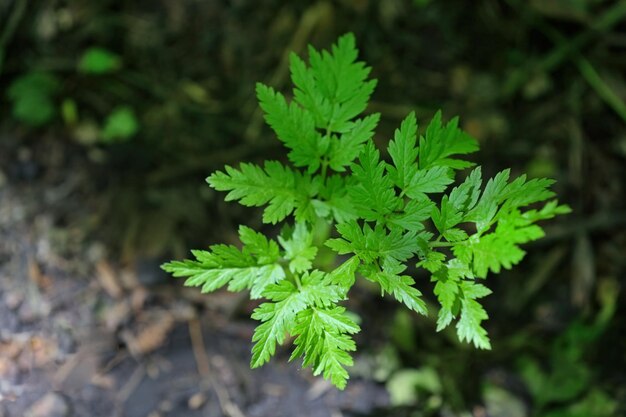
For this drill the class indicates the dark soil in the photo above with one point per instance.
(74, 322)
(90, 325)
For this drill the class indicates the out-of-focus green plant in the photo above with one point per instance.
(33, 97)
(99, 61)
(120, 124)
(36, 99)
(565, 387)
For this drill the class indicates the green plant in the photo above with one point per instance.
(98, 61)
(35, 99)
(32, 95)
(383, 213)
(564, 383)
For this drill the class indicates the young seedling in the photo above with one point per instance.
(384, 216)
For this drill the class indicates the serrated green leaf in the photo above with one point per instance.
(333, 202)
(426, 181)
(299, 249)
(500, 249)
(447, 216)
(257, 244)
(319, 291)
(458, 296)
(277, 319)
(334, 89)
(403, 151)
(350, 144)
(344, 274)
(442, 141)
(372, 244)
(465, 196)
(295, 127)
(453, 288)
(413, 216)
(548, 211)
(469, 326)
(520, 193)
(334, 358)
(373, 194)
(283, 189)
(433, 261)
(401, 287)
(324, 342)
(254, 267)
(341, 81)
(336, 318)
(487, 206)
(455, 235)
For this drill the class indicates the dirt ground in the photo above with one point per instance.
(90, 325)
(81, 335)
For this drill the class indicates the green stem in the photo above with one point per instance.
(324, 167)
(289, 275)
(437, 244)
(603, 90)
(325, 159)
(298, 283)
(12, 23)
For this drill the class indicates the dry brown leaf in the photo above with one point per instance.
(151, 337)
(108, 279)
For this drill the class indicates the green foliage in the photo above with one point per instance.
(567, 387)
(34, 99)
(120, 125)
(387, 215)
(32, 95)
(98, 61)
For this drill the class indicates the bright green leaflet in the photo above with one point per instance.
(383, 214)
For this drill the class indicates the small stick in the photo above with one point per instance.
(204, 369)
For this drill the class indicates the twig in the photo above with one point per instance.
(310, 19)
(126, 391)
(539, 276)
(585, 67)
(204, 369)
(566, 48)
(13, 21)
(199, 352)
(596, 82)
(132, 383)
(598, 222)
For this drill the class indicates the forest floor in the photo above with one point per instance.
(81, 335)
(91, 326)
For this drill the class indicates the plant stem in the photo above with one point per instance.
(298, 283)
(438, 244)
(324, 168)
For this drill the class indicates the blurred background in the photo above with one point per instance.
(114, 112)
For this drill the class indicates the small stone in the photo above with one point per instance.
(96, 252)
(13, 300)
(29, 312)
(196, 401)
(51, 405)
(166, 406)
